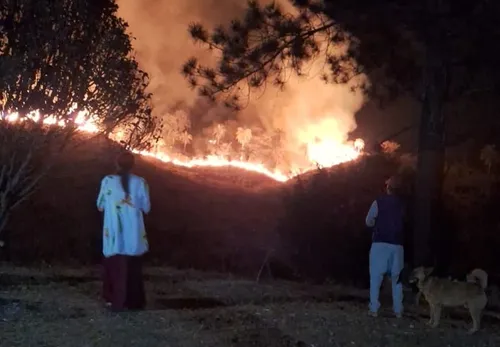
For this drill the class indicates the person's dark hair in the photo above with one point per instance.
(393, 184)
(125, 162)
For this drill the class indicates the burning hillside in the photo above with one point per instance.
(324, 153)
(279, 133)
(192, 208)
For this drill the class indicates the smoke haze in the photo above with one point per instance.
(306, 110)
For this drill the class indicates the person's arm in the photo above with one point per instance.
(145, 203)
(101, 198)
(372, 215)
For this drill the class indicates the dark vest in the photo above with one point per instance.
(390, 220)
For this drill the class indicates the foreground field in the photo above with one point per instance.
(55, 307)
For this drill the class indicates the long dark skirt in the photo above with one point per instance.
(123, 285)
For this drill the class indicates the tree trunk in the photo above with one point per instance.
(430, 166)
(4, 240)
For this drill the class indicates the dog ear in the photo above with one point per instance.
(428, 271)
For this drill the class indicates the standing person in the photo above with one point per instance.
(386, 217)
(123, 198)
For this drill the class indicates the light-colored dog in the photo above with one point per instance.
(419, 294)
(439, 292)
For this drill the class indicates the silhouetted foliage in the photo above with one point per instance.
(58, 58)
(388, 40)
(54, 55)
(434, 50)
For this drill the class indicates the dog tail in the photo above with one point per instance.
(479, 277)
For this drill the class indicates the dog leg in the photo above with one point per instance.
(431, 314)
(437, 316)
(417, 299)
(475, 314)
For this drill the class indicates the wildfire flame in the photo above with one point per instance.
(322, 153)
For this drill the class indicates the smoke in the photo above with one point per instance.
(307, 110)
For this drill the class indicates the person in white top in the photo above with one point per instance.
(124, 198)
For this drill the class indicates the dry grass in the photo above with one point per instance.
(60, 307)
(192, 209)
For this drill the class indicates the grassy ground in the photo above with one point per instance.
(61, 307)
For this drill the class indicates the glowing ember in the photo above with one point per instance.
(324, 152)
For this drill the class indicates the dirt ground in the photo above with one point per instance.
(61, 307)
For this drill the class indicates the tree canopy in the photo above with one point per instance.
(433, 50)
(58, 58)
(389, 41)
(55, 55)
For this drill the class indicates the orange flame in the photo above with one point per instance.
(324, 153)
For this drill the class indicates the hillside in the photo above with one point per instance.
(229, 208)
(227, 220)
(222, 219)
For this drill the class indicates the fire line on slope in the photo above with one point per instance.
(341, 152)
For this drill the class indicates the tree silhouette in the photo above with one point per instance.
(219, 132)
(489, 157)
(58, 58)
(224, 149)
(244, 136)
(174, 125)
(433, 50)
(278, 146)
(185, 139)
(56, 55)
(259, 147)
